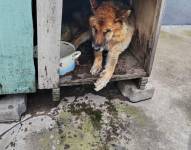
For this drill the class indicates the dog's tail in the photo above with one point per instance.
(82, 38)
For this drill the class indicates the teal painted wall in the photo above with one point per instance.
(17, 73)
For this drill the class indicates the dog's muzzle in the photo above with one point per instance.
(97, 47)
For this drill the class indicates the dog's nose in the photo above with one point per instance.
(96, 46)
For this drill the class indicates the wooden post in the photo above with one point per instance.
(142, 83)
(49, 19)
(159, 12)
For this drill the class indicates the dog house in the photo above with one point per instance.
(134, 63)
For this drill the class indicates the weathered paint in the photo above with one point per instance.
(49, 20)
(17, 73)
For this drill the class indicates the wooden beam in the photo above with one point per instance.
(49, 19)
(127, 68)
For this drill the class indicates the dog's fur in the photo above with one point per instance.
(112, 29)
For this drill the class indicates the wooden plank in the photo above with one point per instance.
(17, 73)
(159, 13)
(127, 68)
(146, 13)
(69, 81)
(49, 18)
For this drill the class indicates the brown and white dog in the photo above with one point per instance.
(112, 29)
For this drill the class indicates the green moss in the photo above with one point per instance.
(65, 117)
(79, 127)
(112, 109)
(132, 112)
(95, 115)
(87, 126)
(82, 137)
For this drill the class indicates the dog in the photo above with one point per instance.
(112, 29)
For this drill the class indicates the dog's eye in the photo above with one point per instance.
(107, 31)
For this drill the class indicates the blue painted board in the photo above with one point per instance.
(17, 73)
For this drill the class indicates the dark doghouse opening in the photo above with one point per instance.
(131, 62)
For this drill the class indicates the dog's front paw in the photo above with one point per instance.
(100, 84)
(102, 81)
(95, 69)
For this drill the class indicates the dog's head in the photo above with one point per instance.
(106, 20)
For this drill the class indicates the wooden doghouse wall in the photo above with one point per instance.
(148, 15)
(17, 72)
(49, 18)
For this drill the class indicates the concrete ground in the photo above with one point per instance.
(105, 120)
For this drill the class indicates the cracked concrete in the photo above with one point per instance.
(88, 120)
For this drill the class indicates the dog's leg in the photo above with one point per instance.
(107, 73)
(97, 66)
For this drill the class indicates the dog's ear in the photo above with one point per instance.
(92, 21)
(124, 14)
(94, 5)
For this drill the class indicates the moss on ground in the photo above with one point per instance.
(132, 112)
(81, 135)
(85, 126)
